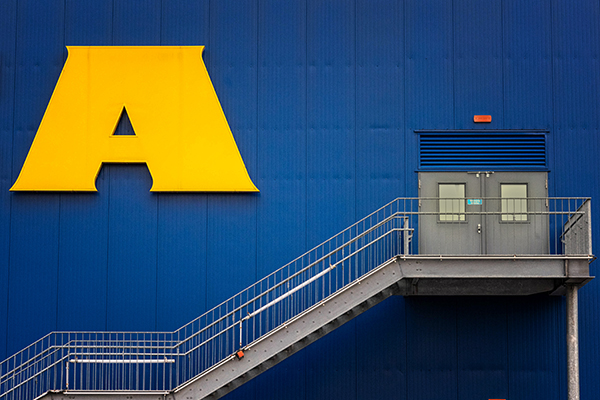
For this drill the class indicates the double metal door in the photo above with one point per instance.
(483, 213)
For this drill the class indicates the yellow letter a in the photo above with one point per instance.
(180, 130)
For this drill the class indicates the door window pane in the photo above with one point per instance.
(514, 201)
(451, 201)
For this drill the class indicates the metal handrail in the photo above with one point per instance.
(254, 313)
(288, 279)
(266, 278)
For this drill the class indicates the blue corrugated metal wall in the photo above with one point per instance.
(323, 98)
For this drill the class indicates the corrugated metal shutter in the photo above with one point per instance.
(467, 150)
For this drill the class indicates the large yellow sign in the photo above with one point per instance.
(180, 129)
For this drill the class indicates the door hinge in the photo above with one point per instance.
(419, 184)
(420, 203)
(546, 183)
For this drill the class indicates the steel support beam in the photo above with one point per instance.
(572, 343)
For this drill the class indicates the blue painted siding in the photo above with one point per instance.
(527, 64)
(381, 371)
(323, 99)
(431, 354)
(181, 264)
(88, 22)
(482, 349)
(8, 20)
(185, 23)
(429, 77)
(331, 118)
(534, 351)
(33, 270)
(33, 274)
(478, 63)
(82, 259)
(132, 250)
(379, 104)
(136, 22)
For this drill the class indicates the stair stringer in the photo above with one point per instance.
(295, 334)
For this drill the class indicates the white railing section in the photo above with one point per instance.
(163, 361)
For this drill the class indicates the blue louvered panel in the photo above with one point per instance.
(482, 150)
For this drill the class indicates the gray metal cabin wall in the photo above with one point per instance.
(323, 98)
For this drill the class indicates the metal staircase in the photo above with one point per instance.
(291, 308)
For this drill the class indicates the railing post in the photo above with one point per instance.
(572, 343)
(588, 211)
(406, 236)
(240, 346)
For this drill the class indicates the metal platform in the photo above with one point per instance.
(492, 275)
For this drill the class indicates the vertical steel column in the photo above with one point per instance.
(572, 344)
